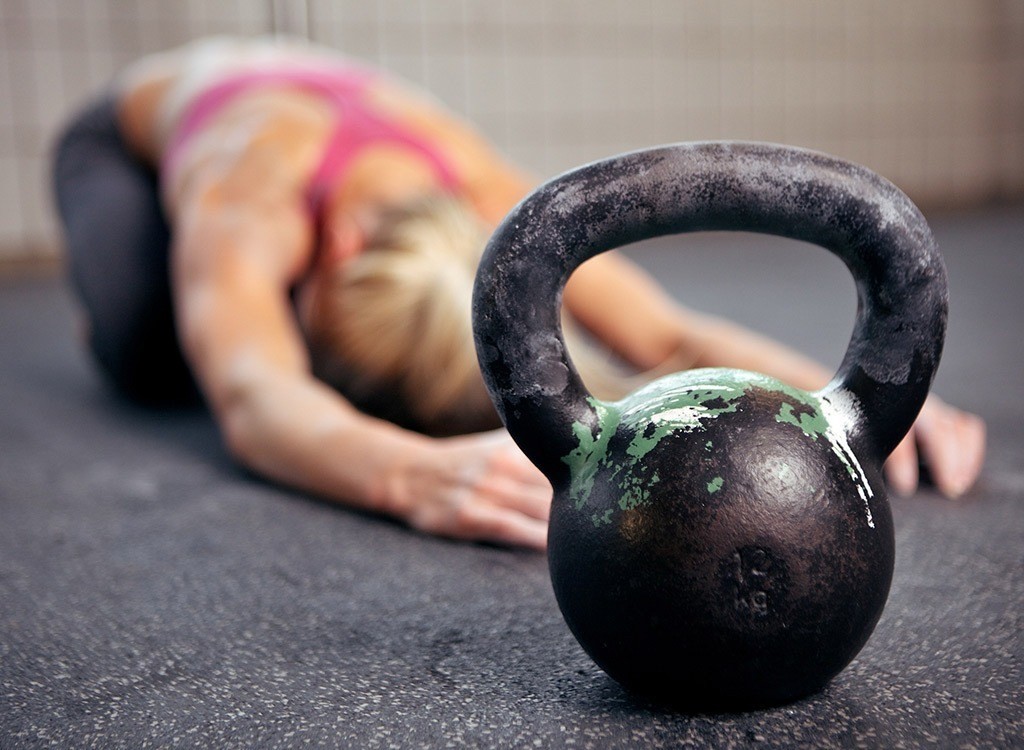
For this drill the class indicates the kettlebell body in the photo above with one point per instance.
(723, 519)
(718, 539)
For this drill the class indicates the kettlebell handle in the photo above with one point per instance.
(864, 219)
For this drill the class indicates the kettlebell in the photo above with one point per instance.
(718, 539)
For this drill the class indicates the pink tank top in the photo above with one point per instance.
(358, 125)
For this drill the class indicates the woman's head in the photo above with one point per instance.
(391, 327)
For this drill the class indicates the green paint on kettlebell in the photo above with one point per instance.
(684, 402)
(812, 423)
(637, 490)
(591, 452)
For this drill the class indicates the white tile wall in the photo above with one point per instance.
(1009, 146)
(12, 230)
(928, 92)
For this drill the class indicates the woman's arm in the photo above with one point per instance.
(240, 244)
(637, 319)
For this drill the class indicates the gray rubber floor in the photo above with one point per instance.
(153, 595)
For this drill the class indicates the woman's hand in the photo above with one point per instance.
(475, 487)
(951, 443)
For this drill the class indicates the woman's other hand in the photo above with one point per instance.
(950, 442)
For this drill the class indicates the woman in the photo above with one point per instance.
(325, 221)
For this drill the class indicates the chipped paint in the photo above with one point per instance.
(833, 422)
(841, 417)
(592, 450)
(689, 402)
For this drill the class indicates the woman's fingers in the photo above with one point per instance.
(953, 445)
(492, 523)
(511, 462)
(508, 492)
(462, 514)
(901, 468)
(504, 455)
(972, 433)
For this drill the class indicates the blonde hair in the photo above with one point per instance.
(392, 330)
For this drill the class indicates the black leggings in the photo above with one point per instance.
(117, 242)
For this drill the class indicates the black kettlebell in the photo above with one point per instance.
(718, 539)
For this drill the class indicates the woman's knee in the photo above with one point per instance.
(116, 242)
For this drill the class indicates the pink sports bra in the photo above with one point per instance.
(358, 125)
